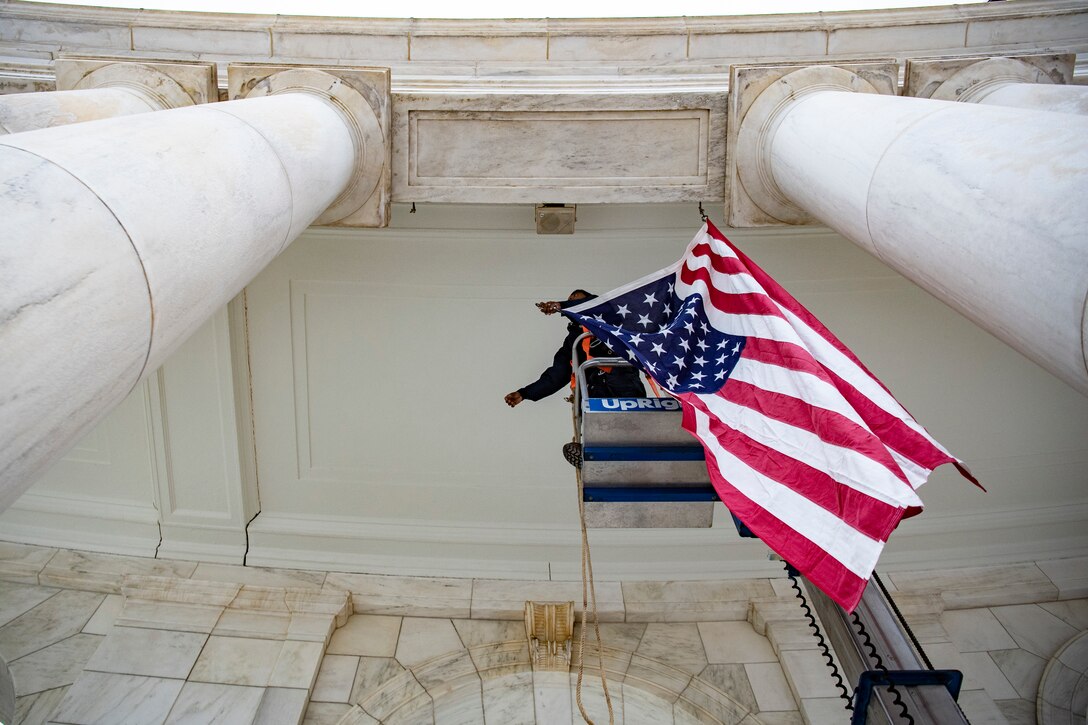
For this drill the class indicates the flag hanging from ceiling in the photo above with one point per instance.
(802, 443)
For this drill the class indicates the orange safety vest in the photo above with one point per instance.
(585, 348)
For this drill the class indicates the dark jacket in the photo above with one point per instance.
(621, 382)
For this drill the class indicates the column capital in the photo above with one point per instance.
(362, 97)
(971, 79)
(758, 99)
(166, 84)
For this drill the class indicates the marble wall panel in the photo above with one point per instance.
(558, 147)
(755, 44)
(17, 599)
(663, 47)
(281, 705)
(54, 666)
(691, 601)
(203, 42)
(896, 40)
(350, 47)
(148, 652)
(1046, 29)
(427, 47)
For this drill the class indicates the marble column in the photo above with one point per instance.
(90, 89)
(123, 236)
(983, 206)
(1037, 82)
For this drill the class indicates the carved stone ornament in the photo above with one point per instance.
(759, 98)
(166, 85)
(971, 79)
(362, 97)
(549, 627)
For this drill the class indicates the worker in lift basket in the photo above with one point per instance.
(604, 382)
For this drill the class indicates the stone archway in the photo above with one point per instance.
(495, 682)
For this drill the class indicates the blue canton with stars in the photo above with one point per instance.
(666, 337)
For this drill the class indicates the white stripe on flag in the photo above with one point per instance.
(797, 384)
(853, 549)
(846, 465)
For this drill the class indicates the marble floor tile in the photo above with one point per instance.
(201, 703)
(476, 632)
(104, 617)
(641, 706)
(1034, 629)
(985, 586)
(499, 599)
(496, 661)
(676, 645)
(357, 716)
(976, 630)
(22, 562)
(1070, 576)
(553, 700)
(406, 596)
(178, 617)
(734, 642)
(281, 706)
(979, 667)
(594, 701)
(808, 675)
(104, 572)
(790, 717)
(400, 694)
(657, 678)
(373, 673)
(335, 678)
(259, 576)
(460, 706)
(38, 708)
(54, 666)
(980, 709)
(369, 635)
(18, 599)
(1017, 712)
(769, 687)
(509, 699)
(416, 712)
(829, 710)
(150, 652)
(424, 639)
(1022, 669)
(297, 665)
(57, 618)
(723, 692)
(1073, 612)
(99, 698)
(236, 661)
(240, 623)
(325, 713)
(311, 627)
(691, 601)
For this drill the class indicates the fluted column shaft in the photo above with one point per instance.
(983, 206)
(122, 236)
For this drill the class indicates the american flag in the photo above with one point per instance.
(802, 443)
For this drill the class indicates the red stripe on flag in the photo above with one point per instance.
(873, 517)
(741, 303)
(832, 428)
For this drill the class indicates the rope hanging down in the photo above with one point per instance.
(587, 585)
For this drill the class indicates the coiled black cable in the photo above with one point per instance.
(820, 641)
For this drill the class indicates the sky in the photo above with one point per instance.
(507, 9)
